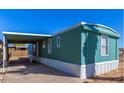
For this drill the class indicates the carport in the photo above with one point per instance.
(14, 37)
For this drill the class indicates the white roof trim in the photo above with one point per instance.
(83, 23)
(26, 34)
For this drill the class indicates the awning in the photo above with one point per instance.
(14, 37)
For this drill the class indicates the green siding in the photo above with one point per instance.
(80, 46)
(70, 49)
(117, 47)
(89, 47)
(91, 52)
(112, 51)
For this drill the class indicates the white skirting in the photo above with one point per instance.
(82, 71)
(62, 66)
(91, 70)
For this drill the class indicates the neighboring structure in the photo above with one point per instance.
(121, 51)
(84, 50)
(121, 54)
(1, 51)
(16, 52)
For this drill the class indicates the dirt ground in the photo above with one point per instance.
(115, 76)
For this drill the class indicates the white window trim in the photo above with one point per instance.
(50, 46)
(101, 45)
(58, 45)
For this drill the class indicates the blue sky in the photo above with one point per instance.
(51, 21)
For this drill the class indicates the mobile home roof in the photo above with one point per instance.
(98, 28)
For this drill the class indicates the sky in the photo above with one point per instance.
(50, 21)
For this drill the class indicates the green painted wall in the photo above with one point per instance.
(80, 46)
(91, 48)
(70, 49)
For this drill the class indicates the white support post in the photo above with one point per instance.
(4, 53)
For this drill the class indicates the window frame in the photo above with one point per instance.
(58, 44)
(107, 45)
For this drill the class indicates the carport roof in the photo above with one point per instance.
(15, 37)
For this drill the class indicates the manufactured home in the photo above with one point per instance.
(84, 50)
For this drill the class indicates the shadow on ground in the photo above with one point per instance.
(34, 68)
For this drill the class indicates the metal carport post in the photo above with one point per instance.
(4, 52)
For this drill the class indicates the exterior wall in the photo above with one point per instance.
(70, 47)
(92, 63)
(113, 54)
(91, 48)
(79, 53)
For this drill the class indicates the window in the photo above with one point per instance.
(50, 46)
(58, 41)
(104, 45)
(43, 44)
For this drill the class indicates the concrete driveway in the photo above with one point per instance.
(26, 72)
